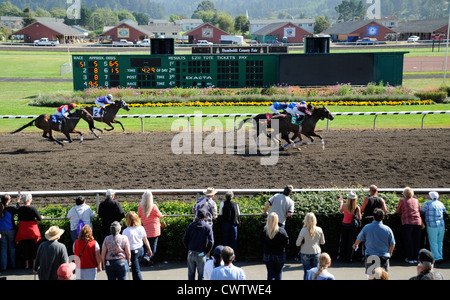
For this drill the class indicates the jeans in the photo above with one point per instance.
(274, 264)
(153, 241)
(136, 257)
(436, 238)
(229, 235)
(8, 247)
(309, 261)
(195, 260)
(116, 269)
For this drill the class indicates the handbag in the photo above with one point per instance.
(356, 221)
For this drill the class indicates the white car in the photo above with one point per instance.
(413, 39)
(204, 42)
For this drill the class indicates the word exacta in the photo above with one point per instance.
(214, 137)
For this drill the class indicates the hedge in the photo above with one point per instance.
(323, 204)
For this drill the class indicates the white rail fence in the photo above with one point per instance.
(235, 116)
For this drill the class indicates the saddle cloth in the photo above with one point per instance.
(54, 119)
(269, 116)
(97, 112)
(297, 120)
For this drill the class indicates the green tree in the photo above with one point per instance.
(59, 13)
(8, 9)
(321, 24)
(141, 18)
(125, 15)
(206, 16)
(350, 10)
(241, 24)
(28, 17)
(205, 5)
(225, 22)
(40, 12)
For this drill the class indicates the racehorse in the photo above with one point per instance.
(45, 123)
(109, 115)
(286, 127)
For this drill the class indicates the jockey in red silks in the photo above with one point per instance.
(63, 111)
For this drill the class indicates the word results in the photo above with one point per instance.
(226, 289)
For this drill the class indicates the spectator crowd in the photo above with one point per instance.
(121, 250)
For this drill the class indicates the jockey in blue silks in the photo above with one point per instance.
(277, 106)
(103, 101)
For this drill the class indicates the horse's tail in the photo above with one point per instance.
(242, 123)
(23, 127)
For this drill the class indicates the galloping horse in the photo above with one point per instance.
(308, 127)
(286, 127)
(45, 123)
(110, 113)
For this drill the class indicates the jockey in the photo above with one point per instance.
(276, 106)
(62, 112)
(290, 108)
(103, 101)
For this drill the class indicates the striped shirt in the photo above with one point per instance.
(409, 208)
(151, 224)
(434, 212)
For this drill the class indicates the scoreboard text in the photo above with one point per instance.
(167, 71)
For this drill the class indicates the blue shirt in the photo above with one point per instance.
(292, 104)
(378, 238)
(227, 273)
(104, 99)
(434, 212)
(279, 105)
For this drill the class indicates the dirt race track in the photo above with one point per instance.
(389, 158)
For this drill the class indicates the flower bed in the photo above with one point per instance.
(345, 95)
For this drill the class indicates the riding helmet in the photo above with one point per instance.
(109, 96)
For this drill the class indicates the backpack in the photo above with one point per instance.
(80, 224)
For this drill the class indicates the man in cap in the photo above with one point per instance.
(433, 212)
(199, 240)
(425, 267)
(282, 205)
(208, 204)
(51, 254)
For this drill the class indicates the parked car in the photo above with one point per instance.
(204, 42)
(123, 43)
(367, 41)
(45, 42)
(413, 39)
(143, 43)
(273, 42)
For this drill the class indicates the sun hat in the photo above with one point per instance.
(210, 191)
(434, 195)
(352, 195)
(65, 271)
(53, 233)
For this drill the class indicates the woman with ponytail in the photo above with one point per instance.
(116, 254)
(321, 271)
